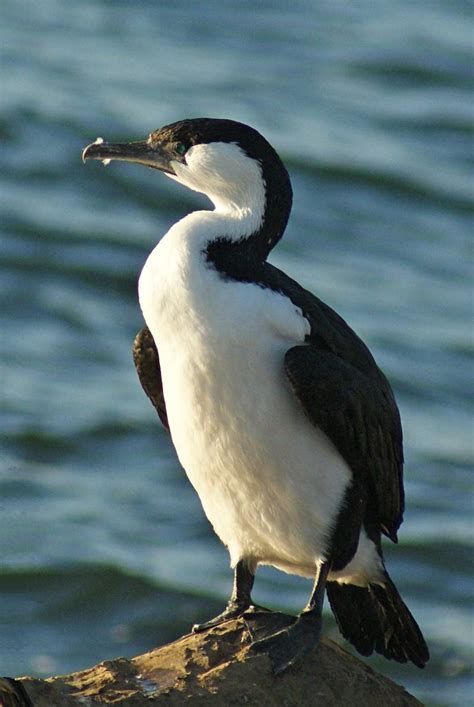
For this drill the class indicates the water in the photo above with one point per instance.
(104, 548)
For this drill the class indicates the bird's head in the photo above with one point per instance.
(230, 162)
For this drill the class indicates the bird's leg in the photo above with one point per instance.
(289, 645)
(239, 600)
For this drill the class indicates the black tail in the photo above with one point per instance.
(376, 618)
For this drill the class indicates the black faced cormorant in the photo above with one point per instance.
(282, 420)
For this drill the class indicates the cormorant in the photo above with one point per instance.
(282, 420)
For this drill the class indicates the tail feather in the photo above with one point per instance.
(376, 618)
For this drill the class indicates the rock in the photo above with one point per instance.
(218, 668)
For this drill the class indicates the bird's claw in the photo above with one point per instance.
(232, 611)
(256, 609)
(290, 645)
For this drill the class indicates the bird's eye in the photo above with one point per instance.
(181, 148)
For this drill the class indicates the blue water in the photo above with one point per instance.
(104, 548)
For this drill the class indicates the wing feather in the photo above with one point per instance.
(361, 420)
(147, 363)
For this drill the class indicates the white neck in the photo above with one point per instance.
(199, 228)
(176, 268)
(234, 184)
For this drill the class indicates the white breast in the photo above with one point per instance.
(270, 483)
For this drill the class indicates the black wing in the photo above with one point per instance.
(358, 418)
(147, 363)
(344, 393)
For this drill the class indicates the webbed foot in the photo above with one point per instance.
(292, 643)
(232, 611)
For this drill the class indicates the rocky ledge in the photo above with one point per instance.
(214, 668)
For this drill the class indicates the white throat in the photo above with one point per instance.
(232, 181)
(176, 268)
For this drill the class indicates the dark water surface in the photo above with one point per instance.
(104, 549)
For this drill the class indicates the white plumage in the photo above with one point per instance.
(270, 482)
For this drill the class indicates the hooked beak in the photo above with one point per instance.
(155, 155)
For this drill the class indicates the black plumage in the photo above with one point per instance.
(147, 363)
